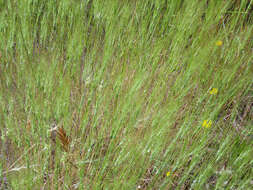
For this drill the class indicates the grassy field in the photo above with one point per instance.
(147, 94)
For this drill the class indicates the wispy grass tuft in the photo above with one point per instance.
(151, 94)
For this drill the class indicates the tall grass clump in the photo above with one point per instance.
(126, 94)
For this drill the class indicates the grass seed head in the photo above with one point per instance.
(64, 138)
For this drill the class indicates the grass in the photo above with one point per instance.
(113, 94)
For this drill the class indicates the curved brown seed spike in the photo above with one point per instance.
(65, 140)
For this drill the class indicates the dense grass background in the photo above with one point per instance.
(129, 81)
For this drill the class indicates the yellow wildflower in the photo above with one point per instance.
(214, 91)
(207, 123)
(219, 43)
(168, 173)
